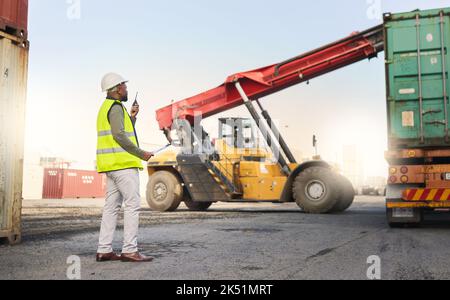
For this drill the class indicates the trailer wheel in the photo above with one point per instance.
(197, 206)
(164, 192)
(347, 195)
(316, 190)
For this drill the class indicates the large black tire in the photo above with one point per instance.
(164, 192)
(347, 195)
(316, 190)
(197, 206)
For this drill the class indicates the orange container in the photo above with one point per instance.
(64, 184)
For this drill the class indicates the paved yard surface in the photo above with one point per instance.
(231, 241)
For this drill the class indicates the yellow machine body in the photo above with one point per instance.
(252, 170)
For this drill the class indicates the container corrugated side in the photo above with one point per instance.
(13, 85)
(53, 184)
(14, 17)
(418, 104)
(67, 184)
(83, 184)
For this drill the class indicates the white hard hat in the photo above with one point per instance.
(112, 80)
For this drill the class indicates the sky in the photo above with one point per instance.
(174, 49)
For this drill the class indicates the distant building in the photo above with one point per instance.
(33, 179)
(55, 163)
(352, 166)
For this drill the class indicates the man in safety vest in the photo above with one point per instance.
(120, 158)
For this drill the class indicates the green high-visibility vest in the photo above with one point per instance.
(110, 155)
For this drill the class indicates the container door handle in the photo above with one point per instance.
(432, 112)
(437, 122)
(419, 66)
(444, 76)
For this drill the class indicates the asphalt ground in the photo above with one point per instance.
(231, 242)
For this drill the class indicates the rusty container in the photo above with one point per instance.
(14, 17)
(70, 184)
(13, 87)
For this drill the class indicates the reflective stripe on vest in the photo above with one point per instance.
(109, 132)
(110, 155)
(109, 151)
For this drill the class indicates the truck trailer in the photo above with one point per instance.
(417, 64)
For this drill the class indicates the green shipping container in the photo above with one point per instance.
(417, 66)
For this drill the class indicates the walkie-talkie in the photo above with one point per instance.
(135, 103)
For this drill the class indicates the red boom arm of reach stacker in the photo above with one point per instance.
(268, 80)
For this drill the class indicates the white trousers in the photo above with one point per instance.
(122, 188)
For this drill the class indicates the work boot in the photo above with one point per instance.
(103, 257)
(135, 257)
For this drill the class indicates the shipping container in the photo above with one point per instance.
(417, 64)
(69, 184)
(13, 85)
(14, 17)
(417, 48)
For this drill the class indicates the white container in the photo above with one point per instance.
(13, 85)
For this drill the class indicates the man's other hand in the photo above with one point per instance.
(148, 156)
